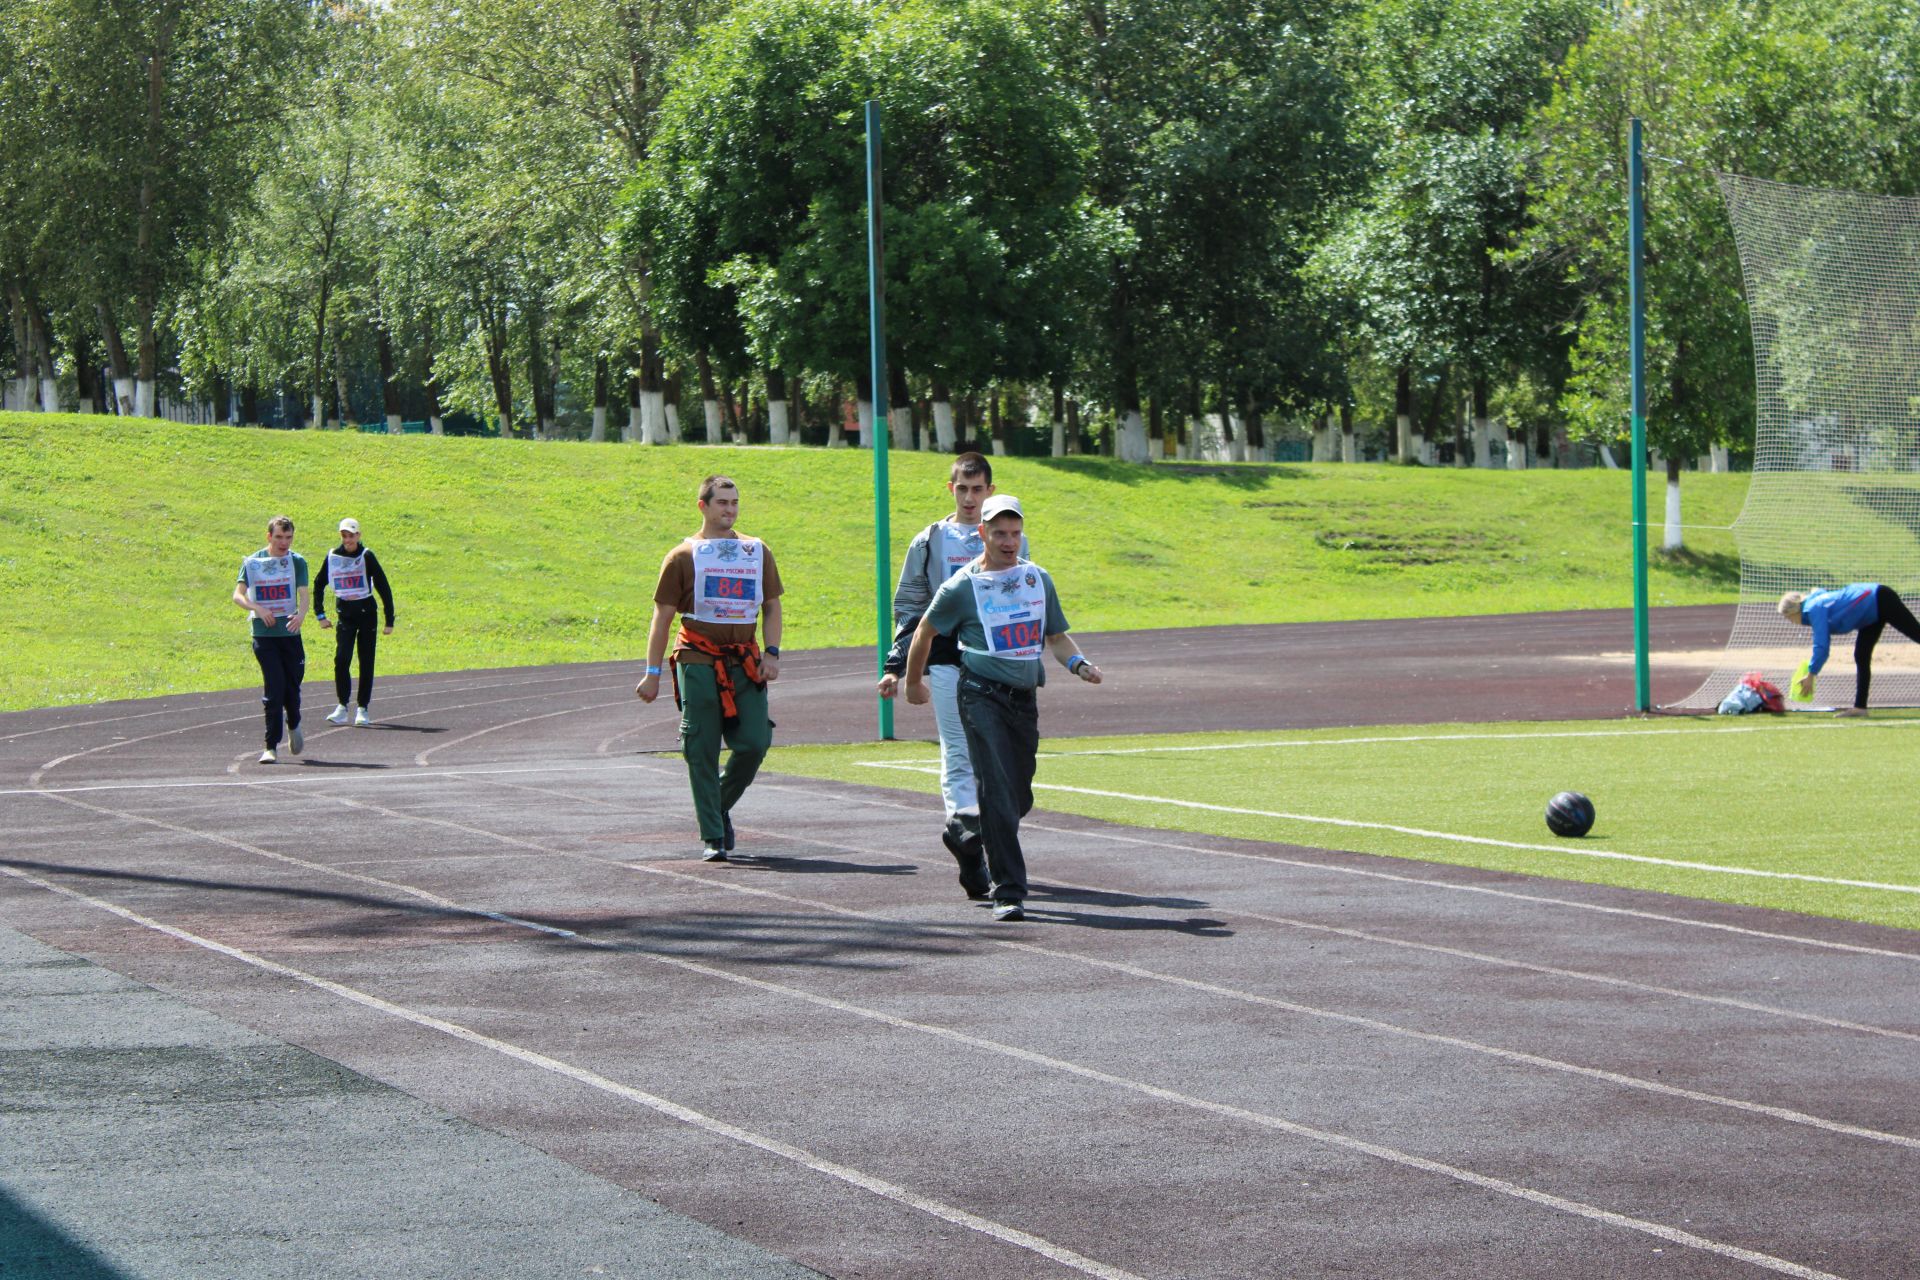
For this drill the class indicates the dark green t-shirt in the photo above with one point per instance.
(956, 611)
(292, 602)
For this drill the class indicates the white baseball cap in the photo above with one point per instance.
(349, 525)
(999, 505)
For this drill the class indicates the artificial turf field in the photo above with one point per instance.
(1801, 812)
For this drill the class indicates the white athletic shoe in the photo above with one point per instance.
(267, 756)
(361, 719)
(339, 715)
(294, 740)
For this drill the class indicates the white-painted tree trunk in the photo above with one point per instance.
(1349, 447)
(866, 424)
(716, 425)
(633, 433)
(49, 396)
(87, 405)
(1721, 462)
(778, 430)
(145, 400)
(1429, 456)
(1238, 452)
(943, 425)
(1606, 458)
(926, 437)
(1403, 437)
(1516, 453)
(319, 414)
(123, 395)
(901, 416)
(438, 424)
(653, 417)
(1673, 541)
(673, 422)
(1482, 443)
(599, 432)
(1058, 446)
(1133, 438)
(393, 425)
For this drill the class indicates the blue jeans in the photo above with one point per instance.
(1003, 736)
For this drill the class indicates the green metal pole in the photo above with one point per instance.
(1637, 345)
(877, 323)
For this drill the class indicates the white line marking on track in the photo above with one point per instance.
(583, 769)
(1472, 1046)
(1391, 1155)
(580, 1075)
(1472, 737)
(421, 758)
(1480, 840)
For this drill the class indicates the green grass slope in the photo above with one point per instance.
(122, 541)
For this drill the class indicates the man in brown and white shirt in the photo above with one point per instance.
(725, 587)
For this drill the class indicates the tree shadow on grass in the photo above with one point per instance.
(1717, 569)
(1244, 475)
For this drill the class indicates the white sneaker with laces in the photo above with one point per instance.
(267, 756)
(361, 719)
(339, 715)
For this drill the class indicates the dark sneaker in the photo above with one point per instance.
(713, 853)
(726, 840)
(973, 863)
(1008, 911)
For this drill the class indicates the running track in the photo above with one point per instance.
(448, 997)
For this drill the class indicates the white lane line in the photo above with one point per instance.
(420, 759)
(950, 1214)
(1233, 993)
(1480, 840)
(33, 781)
(1485, 890)
(301, 777)
(391, 886)
(1379, 1151)
(1474, 737)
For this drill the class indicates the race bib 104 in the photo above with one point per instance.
(1012, 606)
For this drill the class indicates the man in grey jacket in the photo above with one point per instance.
(936, 554)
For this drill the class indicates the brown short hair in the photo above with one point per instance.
(712, 483)
(280, 522)
(972, 464)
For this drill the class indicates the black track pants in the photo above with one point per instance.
(283, 665)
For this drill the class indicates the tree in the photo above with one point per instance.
(1721, 87)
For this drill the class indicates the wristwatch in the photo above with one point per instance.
(771, 650)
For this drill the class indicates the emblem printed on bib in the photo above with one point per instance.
(726, 580)
(348, 574)
(1013, 612)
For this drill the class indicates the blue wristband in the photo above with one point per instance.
(1074, 663)
(653, 671)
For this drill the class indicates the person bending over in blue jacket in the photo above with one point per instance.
(1863, 607)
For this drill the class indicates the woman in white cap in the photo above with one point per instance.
(355, 573)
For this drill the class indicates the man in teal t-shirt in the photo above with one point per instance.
(1005, 613)
(272, 586)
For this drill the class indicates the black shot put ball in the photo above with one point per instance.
(1570, 814)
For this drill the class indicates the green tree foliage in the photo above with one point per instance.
(751, 216)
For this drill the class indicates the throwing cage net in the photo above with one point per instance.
(1833, 292)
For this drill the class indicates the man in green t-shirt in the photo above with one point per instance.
(272, 586)
(1004, 612)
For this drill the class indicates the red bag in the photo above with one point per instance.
(1771, 699)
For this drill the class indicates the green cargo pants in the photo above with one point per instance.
(716, 790)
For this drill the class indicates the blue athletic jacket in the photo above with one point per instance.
(1836, 612)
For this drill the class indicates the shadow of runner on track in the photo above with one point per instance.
(32, 1248)
(756, 938)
